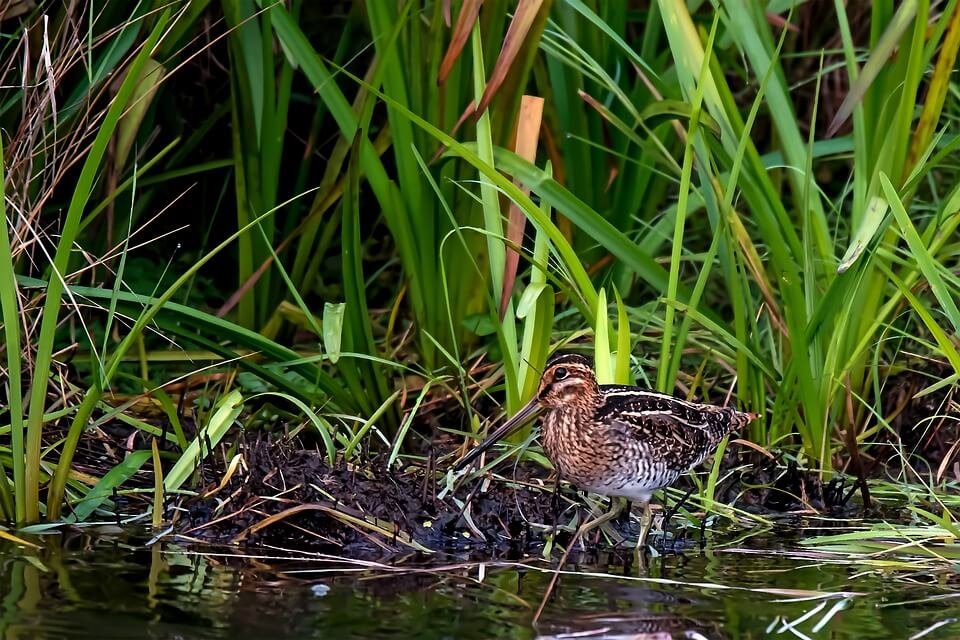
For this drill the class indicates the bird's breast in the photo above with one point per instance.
(595, 457)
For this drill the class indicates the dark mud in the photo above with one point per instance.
(285, 493)
(364, 509)
(925, 429)
(361, 508)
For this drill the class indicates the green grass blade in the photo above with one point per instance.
(538, 321)
(585, 218)
(879, 57)
(333, 329)
(587, 13)
(664, 383)
(602, 357)
(68, 236)
(10, 303)
(103, 490)
(92, 396)
(208, 437)
(622, 373)
(320, 424)
(946, 345)
(927, 263)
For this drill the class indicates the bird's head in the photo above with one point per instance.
(568, 379)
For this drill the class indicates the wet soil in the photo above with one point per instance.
(359, 508)
(285, 493)
(370, 508)
(925, 428)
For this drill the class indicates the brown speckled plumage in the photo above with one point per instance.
(618, 440)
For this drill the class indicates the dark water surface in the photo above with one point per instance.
(114, 586)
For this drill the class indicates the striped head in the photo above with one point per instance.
(568, 380)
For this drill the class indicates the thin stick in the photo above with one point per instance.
(616, 507)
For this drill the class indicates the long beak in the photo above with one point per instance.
(518, 420)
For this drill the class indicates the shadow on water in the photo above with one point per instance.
(114, 586)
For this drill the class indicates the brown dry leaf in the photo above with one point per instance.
(377, 526)
(780, 22)
(936, 93)
(525, 146)
(231, 469)
(942, 469)
(9, 537)
(10, 10)
(523, 19)
(754, 446)
(468, 15)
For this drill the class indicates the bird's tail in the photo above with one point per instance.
(735, 421)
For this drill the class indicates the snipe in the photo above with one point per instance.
(617, 440)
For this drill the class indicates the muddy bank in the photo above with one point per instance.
(360, 508)
(288, 496)
(285, 493)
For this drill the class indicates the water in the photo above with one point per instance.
(113, 586)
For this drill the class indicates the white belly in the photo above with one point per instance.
(636, 485)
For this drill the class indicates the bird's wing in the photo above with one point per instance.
(663, 436)
(637, 404)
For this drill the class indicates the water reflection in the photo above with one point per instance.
(98, 586)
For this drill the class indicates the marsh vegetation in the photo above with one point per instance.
(267, 268)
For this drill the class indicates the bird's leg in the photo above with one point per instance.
(682, 501)
(616, 506)
(624, 518)
(555, 505)
(703, 533)
(646, 522)
(672, 511)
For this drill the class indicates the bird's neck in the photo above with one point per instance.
(574, 420)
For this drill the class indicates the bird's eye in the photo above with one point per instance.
(559, 373)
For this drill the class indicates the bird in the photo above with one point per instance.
(619, 441)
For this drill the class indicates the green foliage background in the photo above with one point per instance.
(306, 192)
